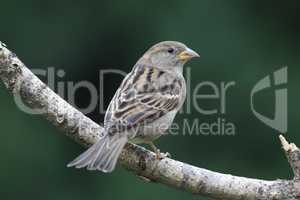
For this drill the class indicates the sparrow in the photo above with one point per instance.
(143, 107)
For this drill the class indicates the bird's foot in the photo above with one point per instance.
(161, 156)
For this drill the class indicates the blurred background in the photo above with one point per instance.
(240, 41)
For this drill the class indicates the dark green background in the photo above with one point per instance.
(240, 41)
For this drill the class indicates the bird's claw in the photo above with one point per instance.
(161, 156)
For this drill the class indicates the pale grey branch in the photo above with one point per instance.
(36, 95)
(293, 154)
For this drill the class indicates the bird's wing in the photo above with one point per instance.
(145, 95)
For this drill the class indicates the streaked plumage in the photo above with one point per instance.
(143, 107)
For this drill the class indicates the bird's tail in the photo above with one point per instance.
(103, 155)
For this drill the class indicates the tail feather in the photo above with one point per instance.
(94, 158)
(110, 162)
(107, 162)
(85, 157)
(103, 155)
(111, 165)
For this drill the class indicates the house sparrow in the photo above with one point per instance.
(143, 107)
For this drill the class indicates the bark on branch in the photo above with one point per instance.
(36, 95)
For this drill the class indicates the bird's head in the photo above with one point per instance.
(168, 54)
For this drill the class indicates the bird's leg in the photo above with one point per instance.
(159, 155)
(154, 148)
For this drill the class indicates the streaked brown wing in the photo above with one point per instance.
(147, 108)
(142, 99)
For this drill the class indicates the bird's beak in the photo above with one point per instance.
(188, 54)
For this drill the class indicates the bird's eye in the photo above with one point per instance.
(171, 50)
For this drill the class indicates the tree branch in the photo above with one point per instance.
(293, 155)
(36, 95)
